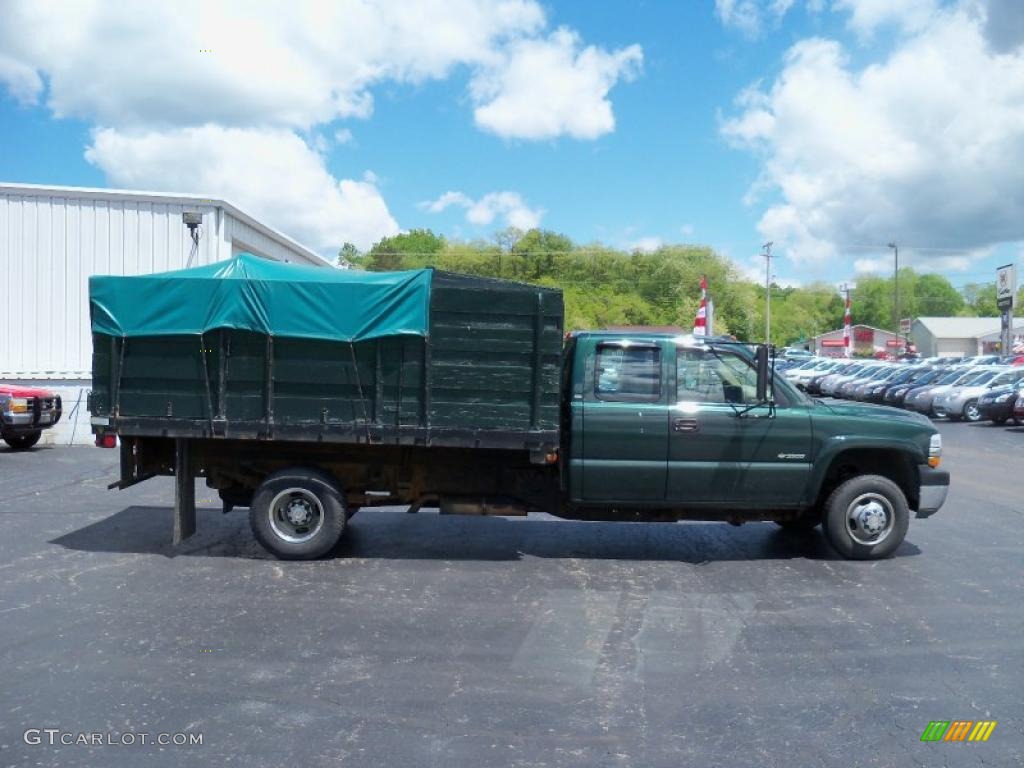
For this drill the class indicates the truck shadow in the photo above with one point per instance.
(390, 535)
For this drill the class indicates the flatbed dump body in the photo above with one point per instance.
(236, 351)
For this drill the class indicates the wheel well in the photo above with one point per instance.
(896, 465)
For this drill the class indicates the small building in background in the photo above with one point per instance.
(989, 344)
(53, 238)
(866, 341)
(957, 336)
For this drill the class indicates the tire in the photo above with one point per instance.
(23, 442)
(318, 520)
(971, 412)
(856, 497)
(802, 524)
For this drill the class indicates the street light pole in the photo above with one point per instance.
(767, 247)
(896, 290)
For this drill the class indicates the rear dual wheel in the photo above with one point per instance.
(298, 514)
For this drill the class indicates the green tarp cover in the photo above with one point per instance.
(254, 294)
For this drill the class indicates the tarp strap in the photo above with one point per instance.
(359, 387)
(206, 380)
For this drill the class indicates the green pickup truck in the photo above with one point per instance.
(309, 394)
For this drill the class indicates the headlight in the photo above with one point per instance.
(935, 450)
(17, 405)
(1004, 398)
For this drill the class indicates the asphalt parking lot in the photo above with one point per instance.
(479, 642)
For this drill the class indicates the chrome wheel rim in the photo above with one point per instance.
(971, 412)
(870, 519)
(296, 515)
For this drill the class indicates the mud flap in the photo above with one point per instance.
(184, 492)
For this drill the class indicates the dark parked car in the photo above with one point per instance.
(1018, 411)
(997, 404)
(876, 393)
(895, 394)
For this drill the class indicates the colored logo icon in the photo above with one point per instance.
(958, 730)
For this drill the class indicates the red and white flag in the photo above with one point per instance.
(846, 327)
(700, 324)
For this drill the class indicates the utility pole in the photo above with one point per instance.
(767, 248)
(847, 330)
(896, 290)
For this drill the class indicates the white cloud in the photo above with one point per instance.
(21, 80)
(544, 88)
(646, 244)
(868, 15)
(508, 205)
(924, 147)
(158, 64)
(751, 16)
(270, 173)
(744, 15)
(686, 230)
(159, 78)
(146, 66)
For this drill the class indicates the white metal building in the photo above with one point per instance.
(953, 336)
(53, 238)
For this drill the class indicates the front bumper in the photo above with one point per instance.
(43, 413)
(919, 404)
(934, 487)
(951, 406)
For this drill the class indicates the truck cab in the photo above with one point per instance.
(676, 423)
(25, 412)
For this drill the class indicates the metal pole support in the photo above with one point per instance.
(184, 492)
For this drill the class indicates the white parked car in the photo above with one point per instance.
(961, 401)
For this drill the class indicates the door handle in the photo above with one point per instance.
(685, 425)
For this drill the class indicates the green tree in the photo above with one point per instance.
(415, 248)
(348, 253)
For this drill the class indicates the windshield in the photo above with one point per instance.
(924, 377)
(974, 379)
(949, 378)
(901, 377)
(1006, 378)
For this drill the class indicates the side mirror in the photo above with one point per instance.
(761, 362)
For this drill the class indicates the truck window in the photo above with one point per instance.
(706, 378)
(628, 373)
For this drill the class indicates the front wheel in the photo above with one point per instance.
(23, 442)
(971, 411)
(866, 518)
(298, 514)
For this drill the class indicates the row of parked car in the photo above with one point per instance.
(969, 389)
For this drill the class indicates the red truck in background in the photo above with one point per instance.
(24, 413)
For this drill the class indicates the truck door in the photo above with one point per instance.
(717, 456)
(625, 423)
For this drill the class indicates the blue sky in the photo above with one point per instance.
(830, 128)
